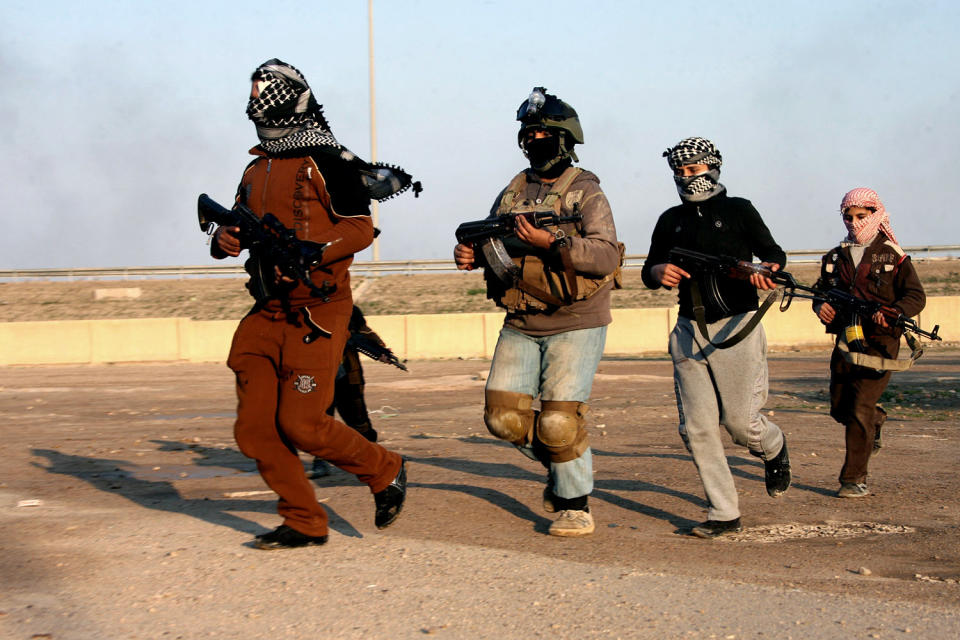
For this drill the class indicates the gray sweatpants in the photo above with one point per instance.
(725, 387)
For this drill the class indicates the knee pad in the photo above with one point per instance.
(560, 429)
(509, 416)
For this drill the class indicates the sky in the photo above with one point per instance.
(118, 114)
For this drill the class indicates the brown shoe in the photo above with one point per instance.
(853, 490)
(572, 523)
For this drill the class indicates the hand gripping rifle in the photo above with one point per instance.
(706, 269)
(268, 239)
(371, 349)
(487, 236)
(709, 267)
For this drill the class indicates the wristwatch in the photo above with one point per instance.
(560, 240)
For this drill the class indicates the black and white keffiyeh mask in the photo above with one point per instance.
(288, 118)
(285, 112)
(696, 151)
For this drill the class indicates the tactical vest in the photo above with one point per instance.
(536, 285)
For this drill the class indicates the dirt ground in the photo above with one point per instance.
(226, 298)
(126, 511)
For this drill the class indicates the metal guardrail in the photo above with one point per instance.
(379, 267)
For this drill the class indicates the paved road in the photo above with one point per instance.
(126, 512)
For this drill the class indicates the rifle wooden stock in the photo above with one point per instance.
(695, 262)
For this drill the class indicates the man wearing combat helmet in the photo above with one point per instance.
(554, 282)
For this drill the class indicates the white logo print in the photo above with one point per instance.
(305, 384)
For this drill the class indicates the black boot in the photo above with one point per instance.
(714, 528)
(283, 537)
(776, 472)
(390, 501)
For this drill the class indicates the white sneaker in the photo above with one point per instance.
(572, 523)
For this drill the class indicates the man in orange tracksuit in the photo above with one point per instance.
(318, 188)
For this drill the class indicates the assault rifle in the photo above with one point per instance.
(506, 225)
(371, 349)
(486, 236)
(268, 239)
(709, 266)
(849, 304)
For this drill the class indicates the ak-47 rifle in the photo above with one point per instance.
(268, 239)
(709, 266)
(486, 237)
(506, 225)
(371, 349)
(851, 305)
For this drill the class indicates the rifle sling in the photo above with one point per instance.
(540, 294)
(878, 362)
(698, 312)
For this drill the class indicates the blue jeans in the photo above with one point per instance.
(557, 367)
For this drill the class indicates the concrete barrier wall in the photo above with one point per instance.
(467, 335)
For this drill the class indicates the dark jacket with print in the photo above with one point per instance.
(885, 275)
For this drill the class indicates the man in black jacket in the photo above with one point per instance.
(725, 385)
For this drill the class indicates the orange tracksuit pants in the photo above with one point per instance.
(284, 388)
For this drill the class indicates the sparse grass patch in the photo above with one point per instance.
(227, 298)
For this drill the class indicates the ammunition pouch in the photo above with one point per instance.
(533, 282)
(261, 280)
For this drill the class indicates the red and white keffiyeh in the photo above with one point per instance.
(864, 230)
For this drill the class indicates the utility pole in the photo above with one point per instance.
(373, 129)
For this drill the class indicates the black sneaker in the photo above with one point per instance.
(390, 501)
(714, 528)
(283, 537)
(776, 472)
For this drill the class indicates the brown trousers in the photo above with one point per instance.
(284, 388)
(854, 393)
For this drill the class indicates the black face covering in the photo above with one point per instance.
(540, 151)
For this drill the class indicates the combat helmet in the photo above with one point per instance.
(542, 110)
